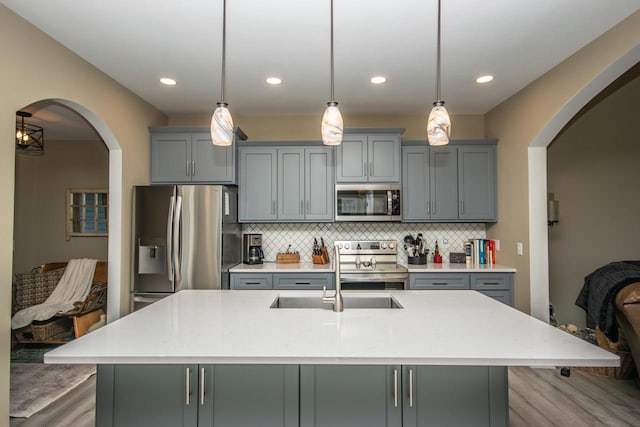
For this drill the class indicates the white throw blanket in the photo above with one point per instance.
(73, 286)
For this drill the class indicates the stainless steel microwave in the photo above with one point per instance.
(368, 202)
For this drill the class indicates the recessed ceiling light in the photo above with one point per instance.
(484, 79)
(274, 80)
(378, 80)
(167, 81)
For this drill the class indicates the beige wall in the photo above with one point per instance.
(40, 208)
(307, 128)
(68, 77)
(516, 123)
(593, 171)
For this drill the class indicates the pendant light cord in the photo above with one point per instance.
(438, 97)
(224, 50)
(332, 100)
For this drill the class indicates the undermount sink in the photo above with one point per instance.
(350, 301)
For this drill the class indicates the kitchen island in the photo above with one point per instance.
(228, 358)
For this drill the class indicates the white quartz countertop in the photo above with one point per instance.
(272, 267)
(239, 327)
(458, 268)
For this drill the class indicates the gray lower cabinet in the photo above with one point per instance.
(293, 184)
(498, 286)
(350, 396)
(187, 155)
(449, 184)
(197, 395)
(474, 396)
(291, 281)
(408, 396)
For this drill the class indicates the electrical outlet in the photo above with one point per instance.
(519, 248)
(445, 241)
(497, 245)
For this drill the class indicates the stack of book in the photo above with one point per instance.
(480, 251)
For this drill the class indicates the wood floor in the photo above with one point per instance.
(537, 397)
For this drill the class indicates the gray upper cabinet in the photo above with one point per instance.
(257, 184)
(429, 183)
(477, 183)
(449, 184)
(290, 183)
(187, 155)
(369, 157)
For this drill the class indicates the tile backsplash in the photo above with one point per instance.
(277, 237)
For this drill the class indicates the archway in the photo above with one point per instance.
(115, 201)
(537, 179)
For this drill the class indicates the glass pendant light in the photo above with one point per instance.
(332, 124)
(221, 121)
(438, 123)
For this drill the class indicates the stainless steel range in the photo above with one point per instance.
(371, 264)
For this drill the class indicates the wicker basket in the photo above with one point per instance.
(49, 331)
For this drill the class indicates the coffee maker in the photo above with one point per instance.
(252, 249)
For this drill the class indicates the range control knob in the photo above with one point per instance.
(339, 245)
(347, 245)
(383, 245)
(391, 245)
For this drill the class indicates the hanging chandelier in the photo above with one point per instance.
(29, 137)
(438, 123)
(332, 124)
(221, 121)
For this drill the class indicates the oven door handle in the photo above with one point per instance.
(373, 277)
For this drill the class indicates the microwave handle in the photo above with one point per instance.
(389, 202)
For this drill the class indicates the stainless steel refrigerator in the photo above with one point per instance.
(184, 237)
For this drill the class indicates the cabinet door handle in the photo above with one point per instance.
(308, 207)
(193, 168)
(301, 211)
(411, 388)
(188, 168)
(428, 206)
(433, 206)
(273, 207)
(364, 168)
(461, 206)
(395, 388)
(188, 387)
(371, 169)
(201, 386)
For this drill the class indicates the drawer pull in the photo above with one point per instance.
(490, 283)
(303, 283)
(440, 283)
(411, 388)
(202, 378)
(252, 283)
(395, 388)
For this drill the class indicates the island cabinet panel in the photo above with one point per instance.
(190, 157)
(146, 395)
(368, 158)
(473, 396)
(350, 396)
(197, 395)
(249, 395)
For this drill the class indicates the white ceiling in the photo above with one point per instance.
(138, 41)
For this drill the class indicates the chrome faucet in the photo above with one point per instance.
(336, 299)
